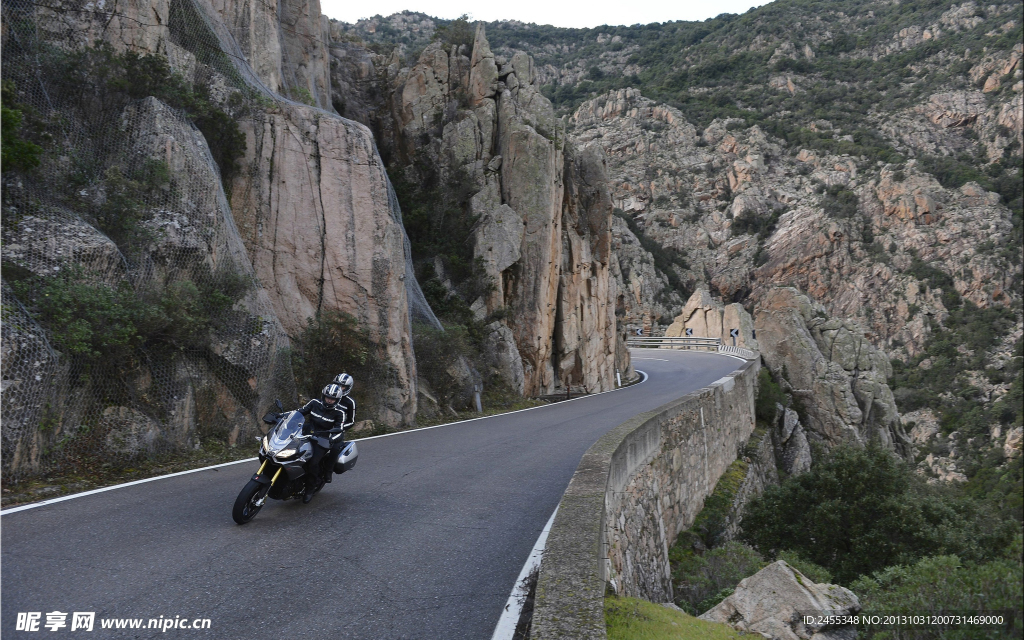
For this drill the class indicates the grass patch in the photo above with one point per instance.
(635, 619)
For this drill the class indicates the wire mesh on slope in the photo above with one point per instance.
(133, 323)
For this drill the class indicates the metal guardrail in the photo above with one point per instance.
(740, 352)
(685, 342)
(691, 343)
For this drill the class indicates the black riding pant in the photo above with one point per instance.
(314, 465)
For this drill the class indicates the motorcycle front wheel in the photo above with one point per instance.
(245, 508)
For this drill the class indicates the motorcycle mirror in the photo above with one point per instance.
(280, 407)
(270, 418)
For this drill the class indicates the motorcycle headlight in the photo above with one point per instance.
(286, 453)
(266, 445)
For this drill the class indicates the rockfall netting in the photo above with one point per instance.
(133, 323)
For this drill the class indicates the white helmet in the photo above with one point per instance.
(344, 381)
(332, 392)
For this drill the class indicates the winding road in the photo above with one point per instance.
(423, 539)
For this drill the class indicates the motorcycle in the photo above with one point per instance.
(284, 452)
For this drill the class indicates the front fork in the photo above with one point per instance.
(262, 479)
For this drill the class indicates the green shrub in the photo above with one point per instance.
(99, 82)
(702, 580)
(89, 320)
(330, 344)
(946, 584)
(440, 356)
(712, 520)
(769, 394)
(17, 153)
(458, 32)
(840, 203)
(860, 510)
(122, 210)
(95, 321)
(667, 260)
(815, 572)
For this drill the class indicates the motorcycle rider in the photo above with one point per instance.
(325, 413)
(347, 403)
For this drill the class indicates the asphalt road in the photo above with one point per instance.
(423, 539)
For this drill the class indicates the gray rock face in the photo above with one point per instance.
(835, 373)
(46, 245)
(498, 242)
(544, 232)
(772, 602)
(314, 212)
(355, 87)
(706, 318)
(792, 450)
(642, 294)
(707, 196)
(503, 356)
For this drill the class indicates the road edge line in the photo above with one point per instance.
(506, 627)
(50, 501)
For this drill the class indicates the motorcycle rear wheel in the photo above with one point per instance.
(245, 508)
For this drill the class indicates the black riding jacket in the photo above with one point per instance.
(348, 405)
(321, 417)
(342, 414)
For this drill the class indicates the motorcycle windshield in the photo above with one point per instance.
(290, 427)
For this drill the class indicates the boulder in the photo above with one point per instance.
(773, 601)
(48, 243)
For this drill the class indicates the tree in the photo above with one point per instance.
(861, 510)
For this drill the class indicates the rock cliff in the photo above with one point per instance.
(748, 216)
(543, 232)
(313, 207)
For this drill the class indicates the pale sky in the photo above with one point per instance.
(560, 14)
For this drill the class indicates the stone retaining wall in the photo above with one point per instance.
(632, 493)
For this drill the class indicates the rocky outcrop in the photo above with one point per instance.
(356, 87)
(834, 373)
(284, 42)
(774, 601)
(543, 231)
(792, 450)
(644, 297)
(313, 209)
(749, 217)
(703, 317)
(210, 384)
(46, 244)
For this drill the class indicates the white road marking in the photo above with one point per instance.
(115, 486)
(514, 607)
(658, 359)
